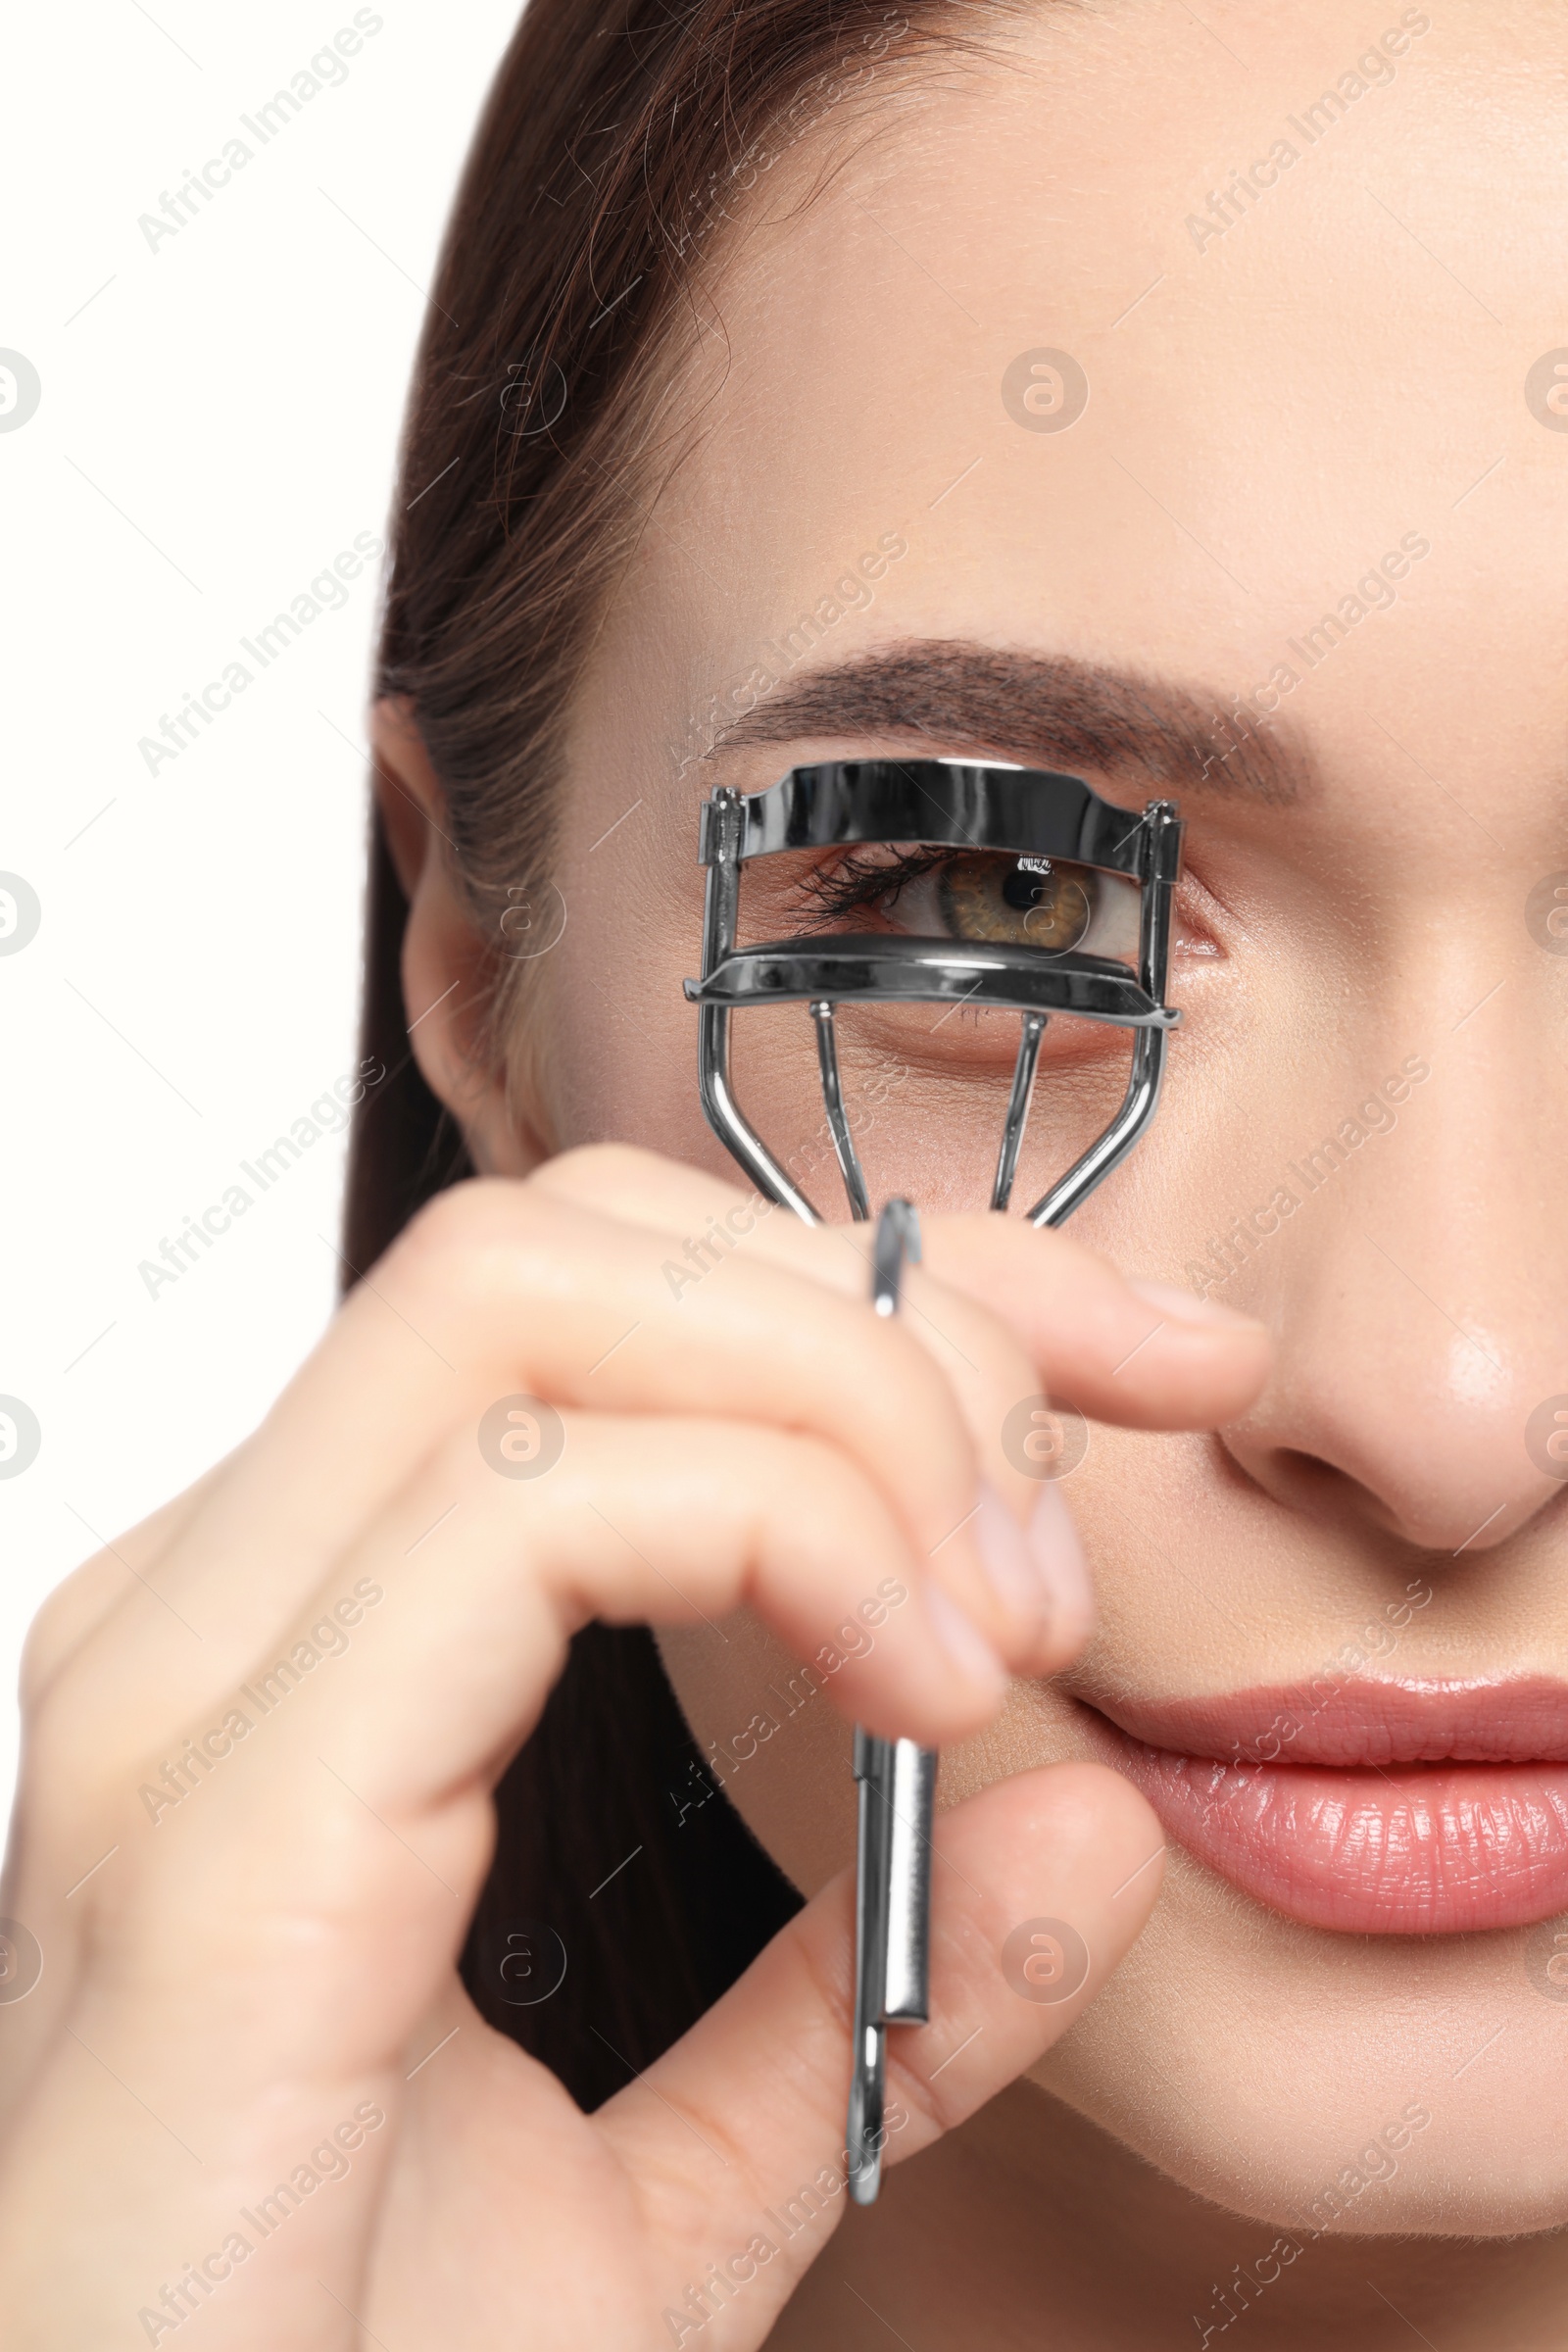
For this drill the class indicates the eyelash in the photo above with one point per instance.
(858, 880)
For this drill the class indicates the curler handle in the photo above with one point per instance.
(897, 1780)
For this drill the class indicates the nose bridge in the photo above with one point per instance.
(1418, 1294)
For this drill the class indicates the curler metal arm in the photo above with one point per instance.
(1111, 1148)
(896, 1784)
(1159, 860)
(1023, 1086)
(827, 1058)
(722, 822)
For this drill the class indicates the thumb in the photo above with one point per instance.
(1039, 1886)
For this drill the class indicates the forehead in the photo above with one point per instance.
(1300, 273)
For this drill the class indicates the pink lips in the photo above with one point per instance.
(1386, 1808)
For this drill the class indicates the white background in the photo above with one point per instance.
(218, 418)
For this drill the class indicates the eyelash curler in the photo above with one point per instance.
(1036, 817)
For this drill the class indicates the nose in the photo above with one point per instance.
(1417, 1291)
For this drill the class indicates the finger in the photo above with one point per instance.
(354, 1786)
(667, 1521)
(1140, 1354)
(1143, 1354)
(501, 1294)
(81, 1600)
(738, 2132)
(702, 1223)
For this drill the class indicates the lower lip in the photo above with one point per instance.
(1434, 1849)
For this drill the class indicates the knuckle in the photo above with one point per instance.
(64, 1757)
(914, 1377)
(596, 1167)
(817, 1485)
(66, 1620)
(45, 1648)
(451, 1236)
(459, 1214)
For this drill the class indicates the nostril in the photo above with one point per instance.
(1423, 1511)
(1322, 1490)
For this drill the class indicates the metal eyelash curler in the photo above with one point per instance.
(1040, 820)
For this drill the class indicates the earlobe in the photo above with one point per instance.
(449, 975)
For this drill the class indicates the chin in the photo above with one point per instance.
(1324, 2084)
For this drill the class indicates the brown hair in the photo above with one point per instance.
(618, 136)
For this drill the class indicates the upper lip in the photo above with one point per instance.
(1331, 1720)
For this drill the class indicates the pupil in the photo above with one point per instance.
(1025, 890)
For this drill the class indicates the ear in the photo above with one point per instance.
(448, 972)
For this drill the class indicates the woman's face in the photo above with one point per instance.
(1298, 563)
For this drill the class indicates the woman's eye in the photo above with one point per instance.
(1023, 902)
(1028, 899)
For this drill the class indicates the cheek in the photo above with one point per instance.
(796, 1794)
(616, 1042)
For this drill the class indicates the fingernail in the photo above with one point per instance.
(963, 1640)
(1185, 1307)
(1062, 1567)
(1009, 1561)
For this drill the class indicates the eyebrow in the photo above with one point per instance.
(1047, 710)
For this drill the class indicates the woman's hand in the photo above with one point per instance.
(248, 2092)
